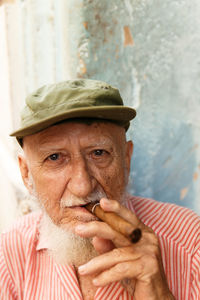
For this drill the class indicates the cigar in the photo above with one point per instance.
(116, 222)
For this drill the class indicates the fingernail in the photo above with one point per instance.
(95, 281)
(82, 269)
(80, 228)
(106, 201)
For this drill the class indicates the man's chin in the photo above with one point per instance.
(63, 245)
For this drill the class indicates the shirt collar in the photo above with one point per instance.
(42, 242)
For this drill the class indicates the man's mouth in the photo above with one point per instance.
(78, 205)
(79, 208)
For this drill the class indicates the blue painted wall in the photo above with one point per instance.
(150, 50)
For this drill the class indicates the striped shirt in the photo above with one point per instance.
(28, 273)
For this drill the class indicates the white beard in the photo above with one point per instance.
(65, 247)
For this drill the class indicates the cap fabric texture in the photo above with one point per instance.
(81, 98)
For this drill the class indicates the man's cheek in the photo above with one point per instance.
(113, 185)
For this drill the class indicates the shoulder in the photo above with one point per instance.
(17, 246)
(169, 221)
(22, 234)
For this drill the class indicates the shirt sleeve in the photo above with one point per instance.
(195, 272)
(7, 289)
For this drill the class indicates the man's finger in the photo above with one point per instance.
(102, 230)
(102, 245)
(118, 272)
(122, 211)
(108, 260)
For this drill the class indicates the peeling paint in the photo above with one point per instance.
(167, 161)
(183, 193)
(195, 176)
(85, 24)
(128, 39)
(82, 69)
(136, 89)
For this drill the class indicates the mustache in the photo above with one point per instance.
(72, 200)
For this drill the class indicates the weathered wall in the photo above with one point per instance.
(150, 50)
(147, 48)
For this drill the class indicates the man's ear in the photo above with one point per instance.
(129, 152)
(25, 173)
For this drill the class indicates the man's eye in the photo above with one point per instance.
(99, 152)
(101, 157)
(54, 156)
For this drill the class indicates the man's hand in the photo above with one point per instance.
(138, 266)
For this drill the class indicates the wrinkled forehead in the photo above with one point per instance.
(89, 133)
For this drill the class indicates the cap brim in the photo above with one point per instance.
(121, 114)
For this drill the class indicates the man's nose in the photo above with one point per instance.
(81, 182)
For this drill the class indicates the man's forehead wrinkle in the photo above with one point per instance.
(60, 140)
(61, 135)
(47, 137)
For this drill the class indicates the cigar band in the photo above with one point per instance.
(93, 208)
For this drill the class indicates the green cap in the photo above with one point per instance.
(81, 98)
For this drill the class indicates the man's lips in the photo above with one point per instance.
(80, 212)
(78, 208)
(82, 208)
(81, 205)
(78, 205)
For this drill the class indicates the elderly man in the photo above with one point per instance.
(75, 152)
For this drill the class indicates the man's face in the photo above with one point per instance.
(70, 164)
